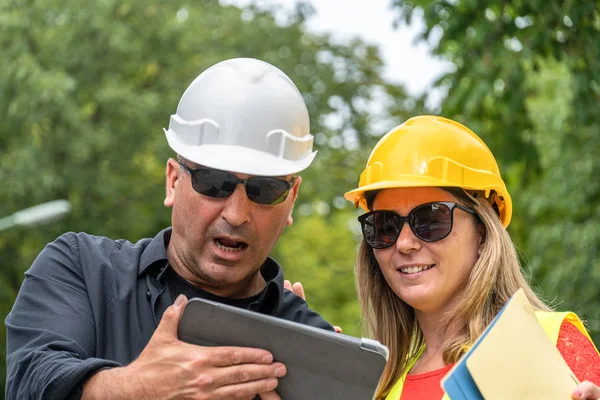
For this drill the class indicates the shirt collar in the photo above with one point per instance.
(273, 275)
(155, 251)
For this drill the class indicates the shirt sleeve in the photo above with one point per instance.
(579, 353)
(296, 309)
(50, 330)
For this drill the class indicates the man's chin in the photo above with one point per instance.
(230, 278)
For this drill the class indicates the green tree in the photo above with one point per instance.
(319, 251)
(87, 86)
(526, 78)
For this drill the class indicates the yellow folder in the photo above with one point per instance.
(517, 359)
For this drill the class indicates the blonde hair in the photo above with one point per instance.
(495, 277)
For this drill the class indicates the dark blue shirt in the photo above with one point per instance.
(89, 303)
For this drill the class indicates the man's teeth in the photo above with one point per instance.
(414, 270)
(227, 248)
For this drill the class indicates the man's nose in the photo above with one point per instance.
(237, 208)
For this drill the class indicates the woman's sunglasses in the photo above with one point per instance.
(429, 222)
(220, 184)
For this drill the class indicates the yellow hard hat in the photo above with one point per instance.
(432, 151)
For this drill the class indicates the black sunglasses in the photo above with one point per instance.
(220, 184)
(429, 222)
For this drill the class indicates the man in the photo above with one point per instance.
(97, 318)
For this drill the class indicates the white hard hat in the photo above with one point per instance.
(243, 115)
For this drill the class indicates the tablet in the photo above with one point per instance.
(320, 364)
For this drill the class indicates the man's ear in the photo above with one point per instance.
(292, 198)
(172, 180)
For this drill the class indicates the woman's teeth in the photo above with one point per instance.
(415, 269)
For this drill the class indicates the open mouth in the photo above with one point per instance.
(230, 245)
(416, 269)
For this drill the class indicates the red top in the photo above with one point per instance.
(575, 348)
(424, 386)
(579, 353)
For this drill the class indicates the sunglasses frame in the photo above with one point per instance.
(407, 219)
(244, 182)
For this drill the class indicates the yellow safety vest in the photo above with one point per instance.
(550, 321)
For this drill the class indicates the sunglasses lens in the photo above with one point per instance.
(431, 222)
(381, 228)
(213, 183)
(220, 184)
(266, 190)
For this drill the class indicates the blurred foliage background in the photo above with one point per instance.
(86, 87)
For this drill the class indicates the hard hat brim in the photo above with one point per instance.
(242, 160)
(357, 196)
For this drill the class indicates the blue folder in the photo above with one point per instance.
(459, 385)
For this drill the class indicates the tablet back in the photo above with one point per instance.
(320, 364)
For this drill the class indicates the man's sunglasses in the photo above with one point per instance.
(429, 222)
(220, 184)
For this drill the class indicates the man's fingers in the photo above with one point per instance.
(246, 390)
(269, 396)
(298, 290)
(227, 356)
(170, 319)
(247, 373)
(338, 329)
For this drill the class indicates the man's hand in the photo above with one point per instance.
(171, 369)
(298, 290)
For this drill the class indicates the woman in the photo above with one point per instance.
(436, 263)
